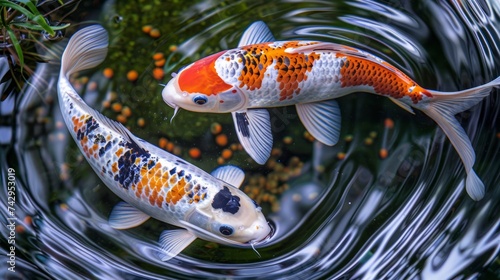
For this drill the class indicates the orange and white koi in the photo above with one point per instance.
(263, 73)
(151, 181)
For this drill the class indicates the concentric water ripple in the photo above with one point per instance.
(361, 217)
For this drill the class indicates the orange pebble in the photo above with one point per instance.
(117, 107)
(160, 62)
(220, 161)
(108, 73)
(172, 48)
(132, 75)
(194, 153)
(141, 122)
(158, 56)
(20, 228)
(287, 140)
(341, 155)
(163, 142)
(106, 104)
(215, 128)
(227, 154)
(221, 140)
(383, 153)
(308, 136)
(126, 111)
(170, 146)
(158, 73)
(28, 220)
(121, 118)
(177, 151)
(389, 123)
(92, 86)
(154, 33)
(147, 29)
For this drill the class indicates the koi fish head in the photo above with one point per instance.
(200, 88)
(231, 218)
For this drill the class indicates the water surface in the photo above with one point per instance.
(339, 212)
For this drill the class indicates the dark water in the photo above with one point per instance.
(361, 217)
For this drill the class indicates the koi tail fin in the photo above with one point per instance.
(442, 108)
(86, 49)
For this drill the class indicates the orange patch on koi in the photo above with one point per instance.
(119, 152)
(385, 80)
(114, 167)
(153, 197)
(203, 70)
(176, 192)
(292, 67)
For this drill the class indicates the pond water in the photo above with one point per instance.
(343, 212)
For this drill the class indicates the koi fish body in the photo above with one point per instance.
(151, 181)
(263, 73)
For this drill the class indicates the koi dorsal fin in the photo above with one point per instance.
(256, 33)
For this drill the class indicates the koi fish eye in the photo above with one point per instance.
(200, 99)
(226, 230)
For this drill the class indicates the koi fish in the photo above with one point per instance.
(263, 73)
(151, 181)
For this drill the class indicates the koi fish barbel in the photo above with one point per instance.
(263, 73)
(151, 181)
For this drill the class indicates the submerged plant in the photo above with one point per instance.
(21, 24)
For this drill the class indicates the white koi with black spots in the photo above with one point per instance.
(151, 181)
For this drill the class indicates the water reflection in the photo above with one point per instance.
(406, 216)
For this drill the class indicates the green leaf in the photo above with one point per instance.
(21, 9)
(43, 23)
(37, 27)
(17, 47)
(30, 5)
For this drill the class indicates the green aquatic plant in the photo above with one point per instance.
(21, 23)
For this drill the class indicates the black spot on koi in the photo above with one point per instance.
(226, 201)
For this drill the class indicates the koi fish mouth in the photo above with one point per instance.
(265, 238)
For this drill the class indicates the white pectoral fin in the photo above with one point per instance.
(256, 33)
(322, 120)
(402, 105)
(253, 128)
(172, 242)
(125, 216)
(443, 116)
(229, 174)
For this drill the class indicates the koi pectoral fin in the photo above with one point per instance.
(172, 242)
(253, 128)
(322, 120)
(125, 216)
